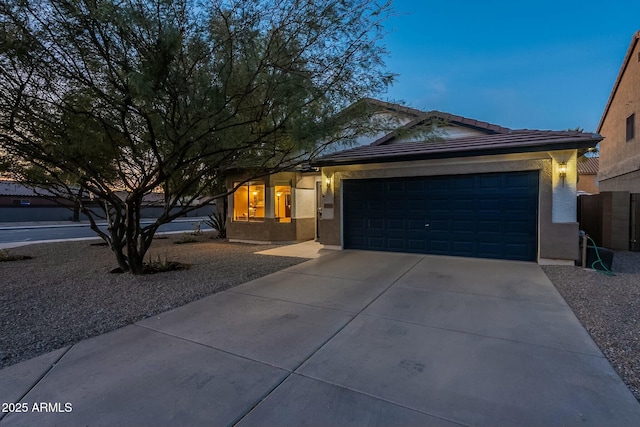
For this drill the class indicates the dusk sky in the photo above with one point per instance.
(535, 64)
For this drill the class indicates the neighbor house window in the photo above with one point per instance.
(631, 127)
(283, 203)
(248, 202)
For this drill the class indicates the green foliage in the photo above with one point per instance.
(162, 264)
(187, 238)
(121, 98)
(218, 221)
(6, 256)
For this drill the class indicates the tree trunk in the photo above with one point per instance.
(127, 241)
(76, 207)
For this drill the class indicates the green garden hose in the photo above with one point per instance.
(604, 269)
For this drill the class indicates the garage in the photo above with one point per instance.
(489, 215)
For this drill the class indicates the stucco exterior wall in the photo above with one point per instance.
(270, 230)
(588, 183)
(565, 201)
(557, 236)
(629, 182)
(617, 155)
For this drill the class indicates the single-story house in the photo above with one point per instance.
(14, 194)
(479, 190)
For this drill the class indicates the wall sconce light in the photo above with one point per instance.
(562, 171)
(328, 182)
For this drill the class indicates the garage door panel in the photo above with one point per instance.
(395, 224)
(515, 227)
(489, 248)
(415, 186)
(516, 249)
(464, 184)
(489, 182)
(463, 248)
(486, 215)
(463, 205)
(517, 182)
(375, 206)
(416, 245)
(396, 188)
(488, 204)
(485, 227)
(376, 224)
(438, 185)
(396, 244)
(436, 224)
(376, 243)
(439, 245)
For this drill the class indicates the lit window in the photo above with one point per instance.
(283, 203)
(248, 202)
(631, 125)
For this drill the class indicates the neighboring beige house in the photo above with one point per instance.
(620, 127)
(482, 190)
(588, 175)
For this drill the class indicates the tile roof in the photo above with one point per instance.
(588, 165)
(515, 141)
(421, 116)
(623, 68)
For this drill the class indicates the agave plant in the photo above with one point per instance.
(218, 221)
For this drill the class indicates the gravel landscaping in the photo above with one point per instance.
(65, 293)
(609, 309)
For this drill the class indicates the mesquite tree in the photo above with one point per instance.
(120, 98)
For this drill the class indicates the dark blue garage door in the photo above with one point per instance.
(486, 215)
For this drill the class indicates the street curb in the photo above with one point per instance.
(11, 245)
(29, 227)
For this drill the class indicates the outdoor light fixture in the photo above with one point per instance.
(328, 182)
(562, 171)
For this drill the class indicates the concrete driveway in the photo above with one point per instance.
(352, 338)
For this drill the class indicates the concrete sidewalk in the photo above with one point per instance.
(350, 338)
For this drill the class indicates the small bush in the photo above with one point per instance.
(6, 256)
(218, 222)
(197, 229)
(162, 264)
(186, 238)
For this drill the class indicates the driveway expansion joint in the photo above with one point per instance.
(382, 399)
(39, 379)
(233, 291)
(211, 347)
(475, 334)
(561, 303)
(340, 329)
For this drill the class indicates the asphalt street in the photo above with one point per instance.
(32, 233)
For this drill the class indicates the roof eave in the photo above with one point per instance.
(403, 157)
